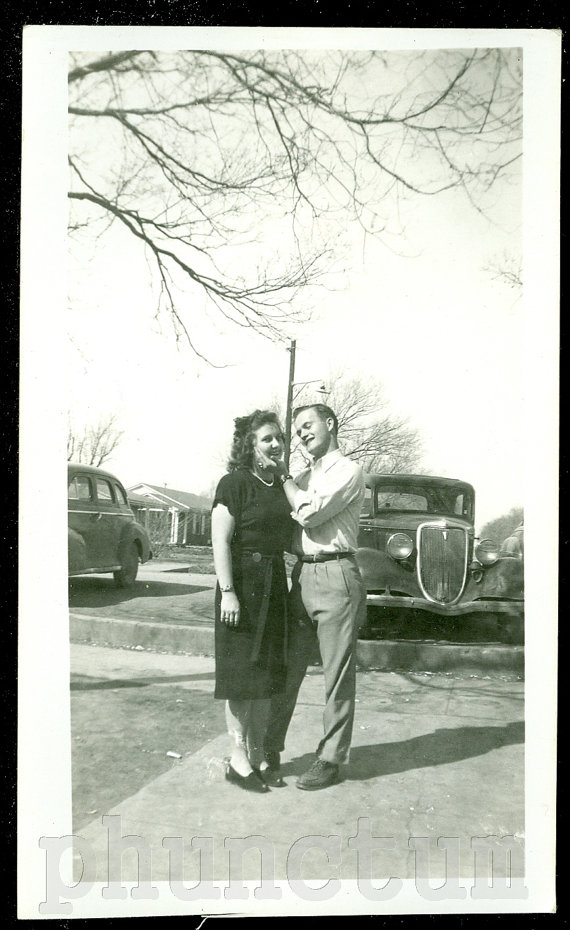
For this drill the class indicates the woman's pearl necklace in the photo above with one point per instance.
(268, 484)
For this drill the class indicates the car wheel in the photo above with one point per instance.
(127, 573)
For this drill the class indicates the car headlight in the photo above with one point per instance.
(399, 546)
(487, 551)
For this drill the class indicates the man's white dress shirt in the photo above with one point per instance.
(328, 505)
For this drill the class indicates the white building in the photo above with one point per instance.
(184, 516)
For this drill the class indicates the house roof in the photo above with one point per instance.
(146, 500)
(171, 497)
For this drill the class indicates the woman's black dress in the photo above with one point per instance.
(251, 658)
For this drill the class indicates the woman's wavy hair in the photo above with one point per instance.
(241, 454)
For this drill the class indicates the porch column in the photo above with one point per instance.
(174, 526)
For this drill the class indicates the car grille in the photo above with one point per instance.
(442, 562)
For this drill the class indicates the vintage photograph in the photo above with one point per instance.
(302, 383)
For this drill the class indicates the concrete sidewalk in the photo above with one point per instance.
(434, 756)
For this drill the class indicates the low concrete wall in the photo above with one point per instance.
(440, 657)
(476, 658)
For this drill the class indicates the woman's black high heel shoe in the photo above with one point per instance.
(269, 777)
(250, 782)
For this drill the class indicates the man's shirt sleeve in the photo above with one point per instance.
(337, 488)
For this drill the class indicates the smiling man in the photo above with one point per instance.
(327, 595)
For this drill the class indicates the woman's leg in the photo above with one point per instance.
(237, 721)
(256, 730)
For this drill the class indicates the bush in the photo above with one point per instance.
(502, 527)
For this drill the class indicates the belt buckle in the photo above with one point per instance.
(256, 556)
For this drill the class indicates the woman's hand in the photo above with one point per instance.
(230, 610)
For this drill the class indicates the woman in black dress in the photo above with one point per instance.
(251, 526)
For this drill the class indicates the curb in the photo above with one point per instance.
(440, 657)
(384, 655)
(157, 637)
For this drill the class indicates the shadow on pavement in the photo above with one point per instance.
(86, 683)
(178, 571)
(441, 747)
(482, 689)
(102, 592)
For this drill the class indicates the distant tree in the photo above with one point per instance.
(209, 490)
(94, 445)
(368, 432)
(237, 171)
(501, 527)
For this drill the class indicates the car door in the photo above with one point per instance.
(126, 516)
(109, 524)
(83, 519)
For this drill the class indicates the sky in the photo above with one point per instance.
(420, 311)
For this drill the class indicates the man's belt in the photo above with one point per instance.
(325, 556)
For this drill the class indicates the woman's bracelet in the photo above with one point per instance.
(226, 588)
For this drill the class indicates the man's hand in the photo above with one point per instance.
(277, 466)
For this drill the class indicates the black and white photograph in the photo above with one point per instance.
(289, 345)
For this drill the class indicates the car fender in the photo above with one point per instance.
(379, 571)
(133, 533)
(76, 550)
(504, 579)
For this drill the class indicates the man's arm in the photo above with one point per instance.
(338, 487)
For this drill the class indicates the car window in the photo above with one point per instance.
(104, 490)
(120, 495)
(398, 500)
(431, 499)
(459, 504)
(80, 489)
(366, 510)
(449, 500)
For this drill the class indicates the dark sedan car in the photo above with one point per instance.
(419, 556)
(103, 535)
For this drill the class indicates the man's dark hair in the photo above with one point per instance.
(324, 412)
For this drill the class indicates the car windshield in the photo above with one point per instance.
(437, 499)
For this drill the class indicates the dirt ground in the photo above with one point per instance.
(125, 727)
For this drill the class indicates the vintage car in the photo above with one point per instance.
(419, 556)
(513, 545)
(103, 535)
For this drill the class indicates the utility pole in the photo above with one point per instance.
(289, 410)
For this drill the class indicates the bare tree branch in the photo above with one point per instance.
(239, 172)
(368, 431)
(508, 269)
(101, 64)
